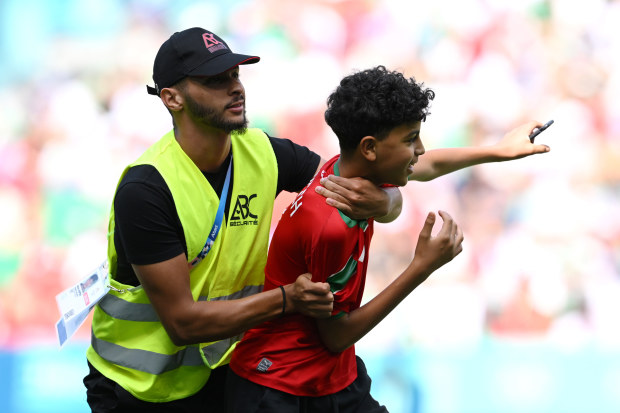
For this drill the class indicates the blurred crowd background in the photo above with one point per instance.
(525, 320)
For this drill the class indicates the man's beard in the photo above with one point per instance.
(209, 116)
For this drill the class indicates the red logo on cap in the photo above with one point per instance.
(212, 44)
(209, 40)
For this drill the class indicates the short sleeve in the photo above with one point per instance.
(296, 164)
(146, 222)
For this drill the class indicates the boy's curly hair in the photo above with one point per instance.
(373, 102)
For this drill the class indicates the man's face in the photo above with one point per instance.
(217, 101)
(397, 153)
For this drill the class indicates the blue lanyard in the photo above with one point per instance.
(218, 221)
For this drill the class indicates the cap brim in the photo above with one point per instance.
(222, 63)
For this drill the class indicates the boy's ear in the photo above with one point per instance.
(171, 98)
(368, 148)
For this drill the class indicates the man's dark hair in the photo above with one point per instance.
(373, 102)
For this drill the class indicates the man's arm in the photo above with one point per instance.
(514, 145)
(188, 322)
(358, 198)
(339, 333)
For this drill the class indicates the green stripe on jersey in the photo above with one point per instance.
(338, 280)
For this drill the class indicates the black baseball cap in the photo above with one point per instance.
(193, 52)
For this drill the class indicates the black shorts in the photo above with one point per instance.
(106, 396)
(245, 396)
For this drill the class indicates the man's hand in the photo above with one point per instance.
(358, 198)
(516, 143)
(433, 252)
(309, 298)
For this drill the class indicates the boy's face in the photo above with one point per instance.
(397, 153)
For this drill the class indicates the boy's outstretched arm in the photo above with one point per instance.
(514, 145)
(339, 333)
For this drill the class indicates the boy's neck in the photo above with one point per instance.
(355, 167)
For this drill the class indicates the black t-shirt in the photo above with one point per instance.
(147, 227)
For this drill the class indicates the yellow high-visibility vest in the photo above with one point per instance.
(129, 344)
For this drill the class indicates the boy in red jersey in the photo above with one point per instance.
(300, 364)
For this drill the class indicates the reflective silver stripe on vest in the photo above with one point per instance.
(244, 292)
(214, 352)
(124, 310)
(146, 361)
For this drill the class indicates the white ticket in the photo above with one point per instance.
(76, 302)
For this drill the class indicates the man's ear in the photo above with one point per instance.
(172, 98)
(368, 148)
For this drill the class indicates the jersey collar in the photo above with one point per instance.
(362, 223)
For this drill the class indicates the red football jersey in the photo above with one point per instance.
(287, 354)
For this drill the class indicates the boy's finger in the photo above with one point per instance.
(427, 229)
(448, 223)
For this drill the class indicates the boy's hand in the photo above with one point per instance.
(516, 143)
(433, 252)
(309, 298)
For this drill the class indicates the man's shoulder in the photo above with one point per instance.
(142, 174)
(142, 183)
